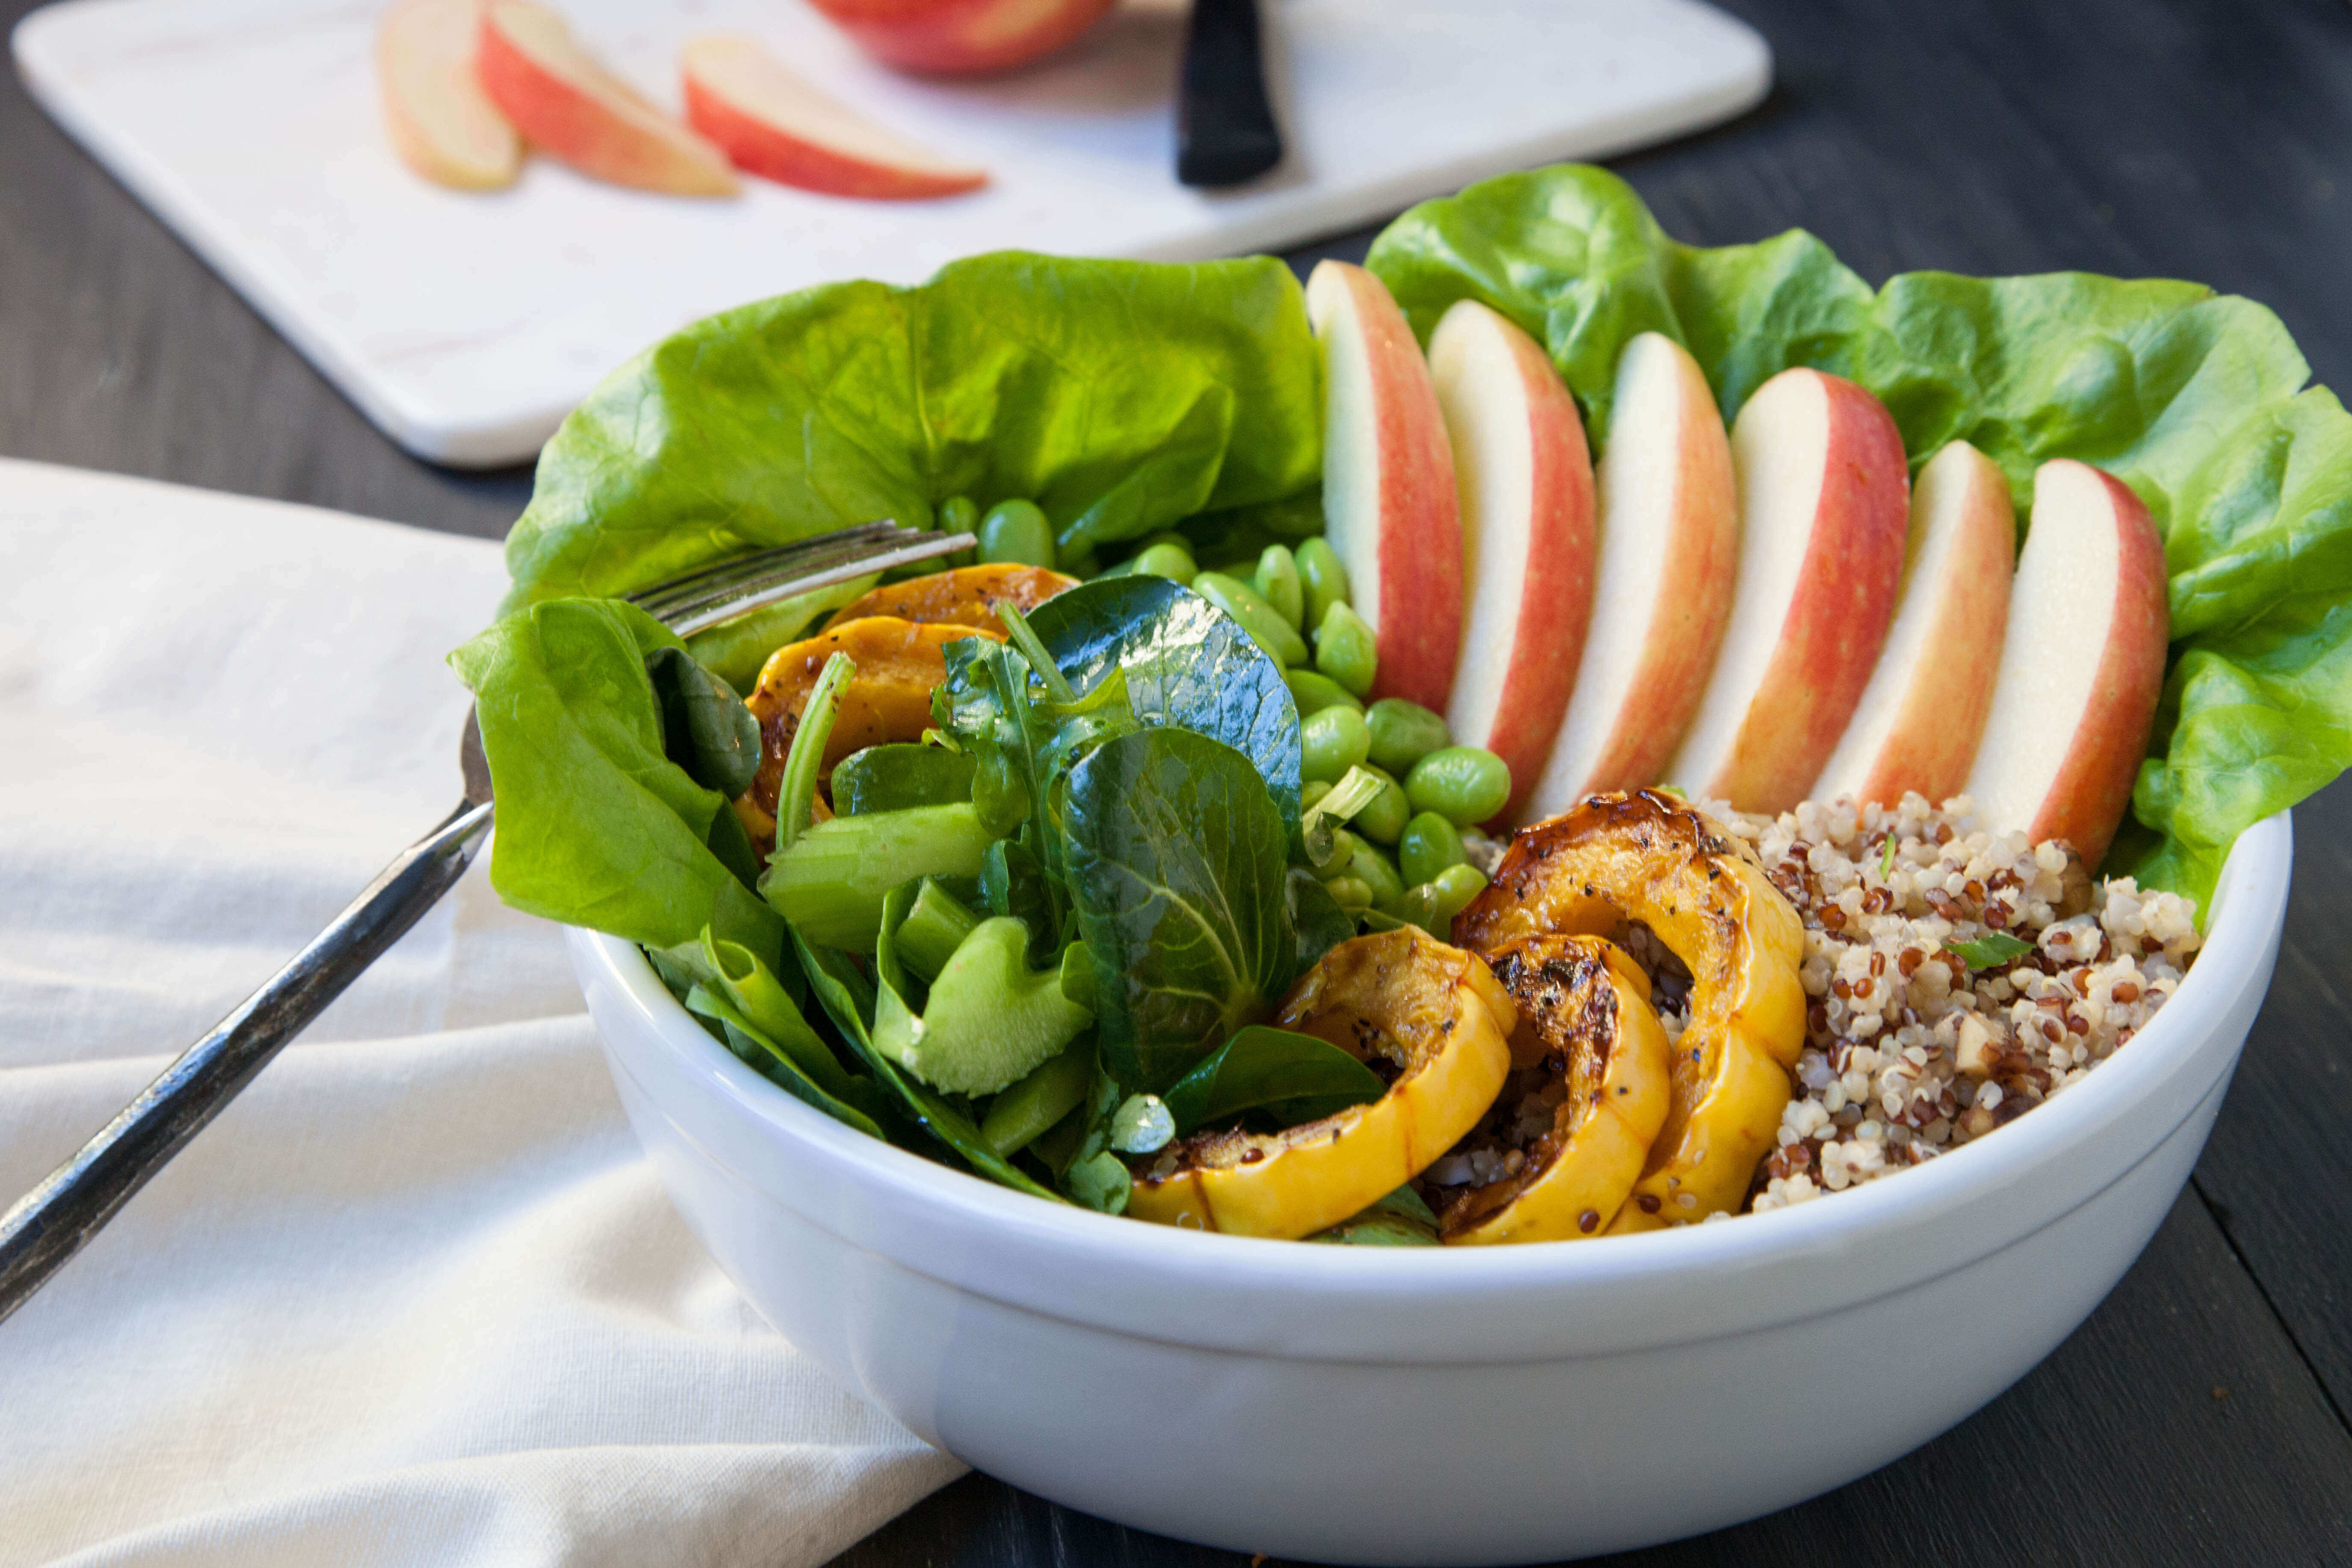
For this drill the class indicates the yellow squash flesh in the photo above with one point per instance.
(1435, 1012)
(967, 597)
(1588, 1042)
(1648, 856)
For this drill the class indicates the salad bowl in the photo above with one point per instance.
(1398, 1406)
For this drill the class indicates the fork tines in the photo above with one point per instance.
(720, 593)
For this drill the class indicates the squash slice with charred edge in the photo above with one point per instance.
(967, 597)
(1588, 1039)
(1436, 1013)
(888, 699)
(1648, 856)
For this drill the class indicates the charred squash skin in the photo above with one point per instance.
(1649, 857)
(1587, 1035)
(1434, 1012)
(890, 698)
(967, 597)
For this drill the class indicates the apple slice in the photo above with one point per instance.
(1919, 720)
(962, 37)
(440, 121)
(1667, 561)
(1524, 476)
(1390, 507)
(775, 125)
(571, 108)
(2082, 667)
(1825, 502)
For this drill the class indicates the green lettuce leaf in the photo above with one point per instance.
(596, 825)
(1121, 397)
(2195, 400)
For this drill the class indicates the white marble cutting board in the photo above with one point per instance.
(466, 325)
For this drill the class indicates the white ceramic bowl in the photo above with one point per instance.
(1487, 1405)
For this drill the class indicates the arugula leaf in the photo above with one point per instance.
(1991, 951)
(1177, 860)
(597, 826)
(2195, 400)
(1121, 397)
(1289, 1075)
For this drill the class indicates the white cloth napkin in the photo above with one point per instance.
(416, 1297)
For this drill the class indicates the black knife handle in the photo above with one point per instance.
(1225, 131)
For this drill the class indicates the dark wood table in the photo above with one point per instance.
(2201, 1416)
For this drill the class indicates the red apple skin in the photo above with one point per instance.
(1825, 642)
(1390, 507)
(582, 116)
(1524, 475)
(962, 37)
(759, 146)
(2091, 787)
(1666, 477)
(1919, 720)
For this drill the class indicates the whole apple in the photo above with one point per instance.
(961, 38)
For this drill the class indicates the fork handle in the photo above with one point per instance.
(53, 1221)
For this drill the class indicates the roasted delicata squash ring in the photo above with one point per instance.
(1649, 857)
(1589, 1043)
(1397, 999)
(967, 597)
(890, 698)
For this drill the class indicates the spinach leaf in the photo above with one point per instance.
(1121, 397)
(1400, 1219)
(893, 777)
(706, 728)
(1290, 1077)
(847, 1000)
(1315, 918)
(1176, 859)
(597, 826)
(1013, 883)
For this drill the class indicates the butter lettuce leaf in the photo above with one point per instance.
(2197, 401)
(1121, 397)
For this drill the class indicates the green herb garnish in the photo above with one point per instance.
(1993, 950)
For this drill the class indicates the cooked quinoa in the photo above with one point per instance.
(1909, 1053)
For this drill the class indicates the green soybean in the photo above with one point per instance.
(1172, 562)
(1312, 791)
(957, 514)
(1346, 650)
(1455, 888)
(1330, 742)
(1266, 628)
(1016, 531)
(1403, 733)
(1461, 783)
(1322, 578)
(1314, 692)
(1429, 845)
(1370, 863)
(1350, 892)
(1277, 582)
(1383, 820)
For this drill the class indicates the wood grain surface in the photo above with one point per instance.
(2201, 1416)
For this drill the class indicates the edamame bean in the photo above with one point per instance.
(1330, 742)
(1346, 651)
(1314, 692)
(1455, 888)
(1322, 578)
(1312, 791)
(1350, 892)
(1016, 531)
(1277, 582)
(1429, 845)
(1266, 628)
(1402, 733)
(1370, 865)
(1461, 783)
(1344, 846)
(1383, 819)
(957, 514)
(1172, 562)
(1078, 561)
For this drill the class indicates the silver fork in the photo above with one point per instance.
(51, 1223)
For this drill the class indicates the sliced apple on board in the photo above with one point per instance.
(440, 121)
(962, 37)
(1524, 478)
(1825, 502)
(1390, 507)
(570, 108)
(1666, 561)
(2082, 667)
(773, 124)
(1919, 720)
